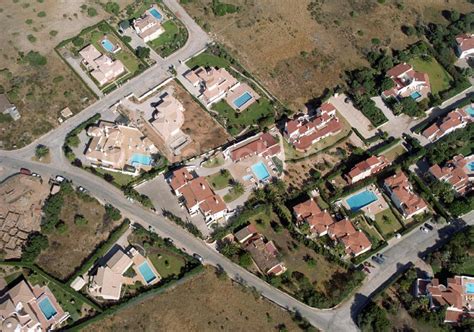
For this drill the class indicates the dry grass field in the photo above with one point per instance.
(307, 54)
(204, 303)
(41, 91)
(67, 250)
(205, 132)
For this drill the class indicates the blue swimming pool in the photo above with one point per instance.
(242, 100)
(470, 166)
(156, 14)
(107, 45)
(146, 272)
(47, 308)
(260, 171)
(415, 95)
(470, 110)
(358, 201)
(141, 159)
(470, 288)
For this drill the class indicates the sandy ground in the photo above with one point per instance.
(41, 92)
(307, 54)
(205, 303)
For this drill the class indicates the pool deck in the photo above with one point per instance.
(237, 92)
(373, 208)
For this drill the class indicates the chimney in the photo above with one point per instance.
(203, 186)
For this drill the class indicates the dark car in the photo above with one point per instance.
(377, 260)
(428, 226)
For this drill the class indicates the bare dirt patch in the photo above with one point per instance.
(307, 54)
(204, 303)
(67, 250)
(21, 198)
(40, 92)
(206, 133)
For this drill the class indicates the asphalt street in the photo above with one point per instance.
(407, 249)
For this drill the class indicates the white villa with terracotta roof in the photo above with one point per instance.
(309, 212)
(102, 68)
(148, 26)
(407, 83)
(305, 131)
(458, 172)
(454, 120)
(214, 84)
(457, 295)
(465, 45)
(367, 168)
(30, 308)
(119, 148)
(262, 144)
(402, 195)
(198, 196)
(355, 242)
(264, 253)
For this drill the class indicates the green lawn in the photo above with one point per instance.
(232, 195)
(172, 39)
(370, 231)
(167, 263)
(219, 180)
(389, 225)
(439, 77)
(207, 60)
(394, 152)
(119, 178)
(260, 113)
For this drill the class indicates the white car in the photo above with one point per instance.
(59, 178)
(423, 229)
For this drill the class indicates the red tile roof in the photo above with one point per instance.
(399, 70)
(465, 42)
(263, 143)
(180, 177)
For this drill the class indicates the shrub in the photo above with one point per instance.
(41, 14)
(112, 212)
(78, 41)
(29, 21)
(375, 41)
(35, 243)
(41, 151)
(103, 27)
(80, 220)
(245, 260)
(127, 39)
(53, 33)
(31, 38)
(112, 7)
(142, 52)
(221, 9)
(35, 59)
(91, 12)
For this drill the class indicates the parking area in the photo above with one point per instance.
(353, 115)
(160, 194)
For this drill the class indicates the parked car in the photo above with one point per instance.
(82, 189)
(59, 178)
(398, 235)
(423, 229)
(377, 260)
(198, 257)
(381, 257)
(428, 226)
(25, 171)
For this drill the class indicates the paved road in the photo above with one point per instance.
(409, 248)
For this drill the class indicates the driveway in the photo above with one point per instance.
(160, 194)
(353, 116)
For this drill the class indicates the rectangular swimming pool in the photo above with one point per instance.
(142, 159)
(470, 166)
(156, 14)
(146, 272)
(260, 171)
(470, 110)
(415, 95)
(47, 308)
(242, 100)
(470, 288)
(358, 201)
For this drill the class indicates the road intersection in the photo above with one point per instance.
(408, 249)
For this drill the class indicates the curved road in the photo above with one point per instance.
(409, 248)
